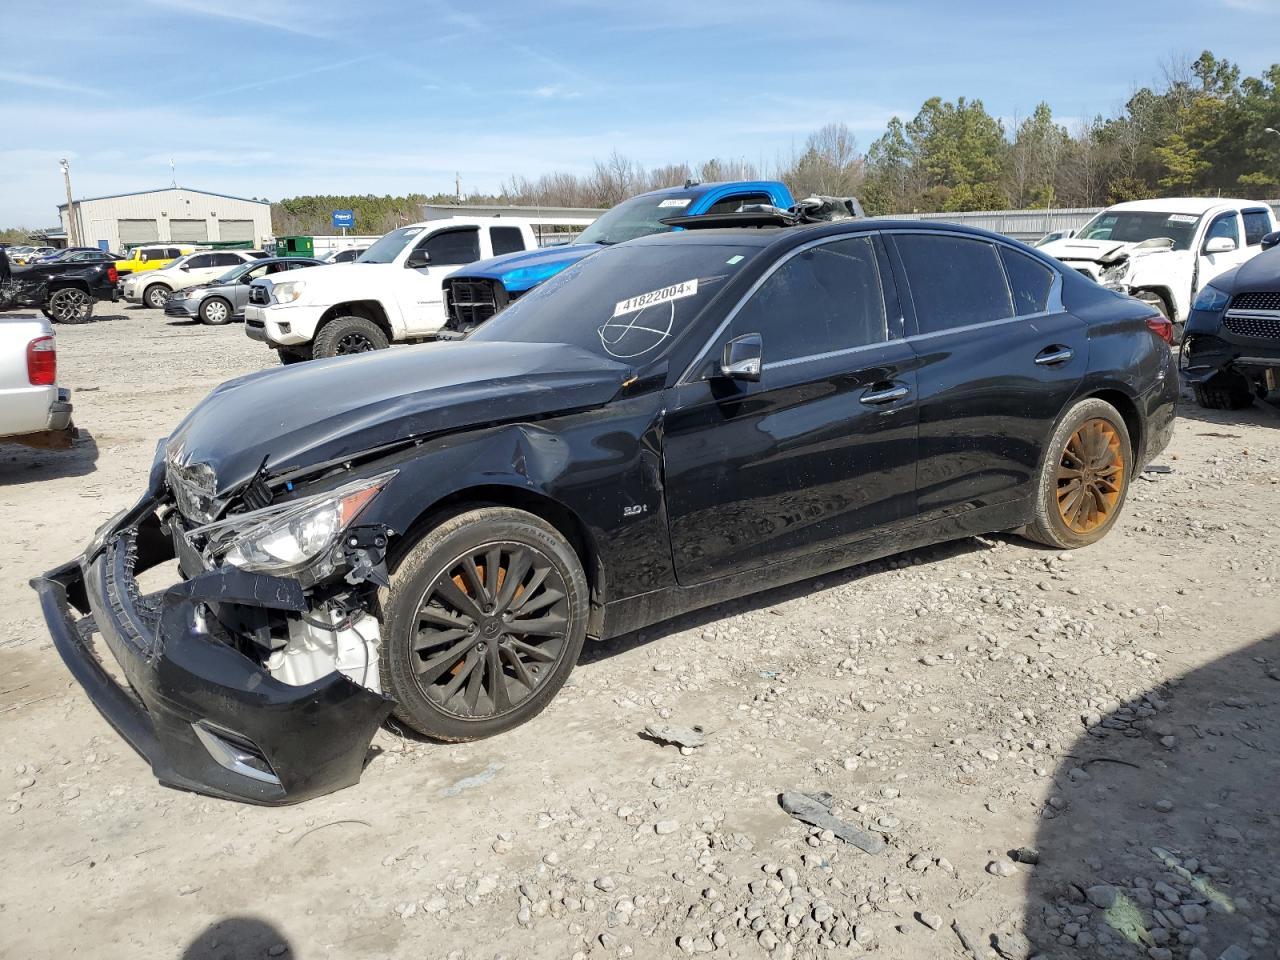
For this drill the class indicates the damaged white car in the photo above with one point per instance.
(1164, 251)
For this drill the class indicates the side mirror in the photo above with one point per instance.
(743, 358)
(1271, 239)
(1219, 245)
(417, 258)
(185, 267)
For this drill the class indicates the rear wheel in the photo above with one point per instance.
(342, 336)
(1084, 477)
(1224, 391)
(482, 624)
(69, 305)
(156, 296)
(215, 311)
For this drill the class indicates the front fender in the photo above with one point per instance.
(602, 468)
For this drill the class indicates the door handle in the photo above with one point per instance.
(875, 397)
(1052, 356)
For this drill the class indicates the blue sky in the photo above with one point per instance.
(276, 98)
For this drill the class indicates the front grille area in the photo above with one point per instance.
(258, 295)
(471, 301)
(1255, 301)
(1259, 328)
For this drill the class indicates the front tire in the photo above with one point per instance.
(1084, 478)
(289, 357)
(482, 624)
(343, 336)
(156, 296)
(215, 312)
(1224, 391)
(69, 305)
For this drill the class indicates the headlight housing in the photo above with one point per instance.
(289, 537)
(288, 292)
(1115, 273)
(1211, 298)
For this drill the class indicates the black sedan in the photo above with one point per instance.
(223, 299)
(1231, 348)
(435, 531)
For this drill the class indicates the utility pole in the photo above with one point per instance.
(73, 229)
(457, 186)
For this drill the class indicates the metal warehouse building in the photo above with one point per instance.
(175, 214)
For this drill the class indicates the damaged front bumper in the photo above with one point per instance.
(205, 716)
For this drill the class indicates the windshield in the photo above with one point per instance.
(637, 217)
(387, 248)
(1133, 226)
(630, 303)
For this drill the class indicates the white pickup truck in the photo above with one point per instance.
(1164, 251)
(392, 293)
(34, 410)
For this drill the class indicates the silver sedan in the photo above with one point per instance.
(222, 300)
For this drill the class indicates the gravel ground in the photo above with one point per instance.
(1067, 754)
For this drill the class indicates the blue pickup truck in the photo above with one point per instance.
(478, 291)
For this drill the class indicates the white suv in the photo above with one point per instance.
(393, 293)
(154, 287)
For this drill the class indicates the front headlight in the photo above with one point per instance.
(287, 292)
(291, 536)
(1211, 298)
(1115, 273)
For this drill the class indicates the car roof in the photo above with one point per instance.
(1196, 205)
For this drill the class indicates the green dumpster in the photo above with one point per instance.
(295, 246)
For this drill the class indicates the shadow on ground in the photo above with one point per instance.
(1162, 835)
(19, 464)
(238, 938)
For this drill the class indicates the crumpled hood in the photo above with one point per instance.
(1100, 251)
(540, 264)
(323, 410)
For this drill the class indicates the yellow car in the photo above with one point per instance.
(153, 257)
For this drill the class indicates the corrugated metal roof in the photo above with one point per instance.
(140, 193)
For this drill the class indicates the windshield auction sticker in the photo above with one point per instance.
(674, 203)
(1182, 218)
(677, 291)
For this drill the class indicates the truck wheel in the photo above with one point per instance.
(1084, 477)
(69, 305)
(1224, 391)
(215, 312)
(156, 295)
(482, 623)
(346, 335)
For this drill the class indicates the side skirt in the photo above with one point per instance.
(646, 609)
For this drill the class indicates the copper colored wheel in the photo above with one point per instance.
(1091, 476)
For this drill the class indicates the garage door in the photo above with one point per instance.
(241, 230)
(138, 231)
(189, 231)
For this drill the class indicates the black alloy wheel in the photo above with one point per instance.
(354, 342)
(69, 305)
(490, 630)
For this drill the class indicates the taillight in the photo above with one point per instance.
(42, 362)
(112, 274)
(1161, 326)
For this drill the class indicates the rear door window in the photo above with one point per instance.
(820, 300)
(506, 240)
(1257, 224)
(450, 247)
(955, 281)
(1029, 280)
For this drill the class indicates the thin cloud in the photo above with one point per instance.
(282, 78)
(290, 19)
(48, 83)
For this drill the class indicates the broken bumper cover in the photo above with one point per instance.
(203, 715)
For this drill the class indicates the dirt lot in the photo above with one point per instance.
(1112, 713)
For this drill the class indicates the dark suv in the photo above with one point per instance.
(1231, 349)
